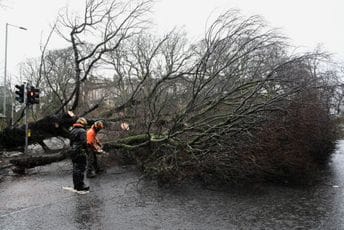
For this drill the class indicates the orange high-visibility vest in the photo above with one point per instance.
(92, 140)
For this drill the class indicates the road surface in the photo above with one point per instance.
(121, 199)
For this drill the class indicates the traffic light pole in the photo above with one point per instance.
(12, 109)
(25, 113)
(28, 95)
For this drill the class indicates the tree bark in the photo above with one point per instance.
(50, 126)
(34, 161)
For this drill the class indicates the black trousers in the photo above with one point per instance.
(92, 162)
(79, 166)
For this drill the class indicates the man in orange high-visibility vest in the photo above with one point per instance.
(94, 148)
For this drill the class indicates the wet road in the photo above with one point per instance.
(120, 199)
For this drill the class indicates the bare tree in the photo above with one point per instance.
(103, 21)
(107, 24)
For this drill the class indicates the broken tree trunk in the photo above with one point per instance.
(49, 126)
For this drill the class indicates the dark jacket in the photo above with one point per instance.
(78, 140)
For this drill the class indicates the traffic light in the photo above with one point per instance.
(20, 93)
(32, 96)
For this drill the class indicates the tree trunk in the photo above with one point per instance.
(50, 126)
(22, 163)
(34, 161)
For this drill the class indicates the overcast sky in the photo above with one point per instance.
(306, 22)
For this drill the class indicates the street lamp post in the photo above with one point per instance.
(5, 69)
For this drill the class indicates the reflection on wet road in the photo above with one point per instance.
(120, 199)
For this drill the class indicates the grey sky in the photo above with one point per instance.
(306, 22)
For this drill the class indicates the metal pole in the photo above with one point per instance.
(5, 68)
(26, 124)
(12, 112)
(5, 71)
(12, 103)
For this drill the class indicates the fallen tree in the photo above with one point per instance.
(56, 125)
(20, 164)
(234, 106)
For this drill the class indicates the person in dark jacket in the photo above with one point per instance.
(78, 142)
